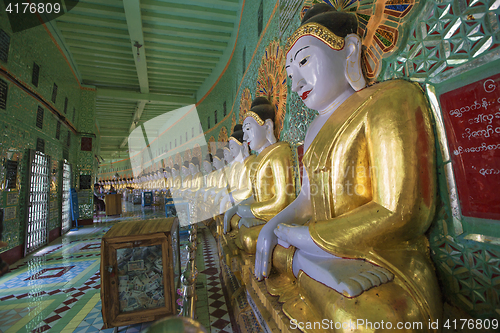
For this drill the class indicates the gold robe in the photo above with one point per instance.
(273, 183)
(273, 188)
(373, 190)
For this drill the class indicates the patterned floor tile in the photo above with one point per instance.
(59, 285)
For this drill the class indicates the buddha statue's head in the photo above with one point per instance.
(219, 159)
(228, 156)
(176, 170)
(194, 166)
(236, 145)
(207, 164)
(258, 125)
(167, 173)
(185, 169)
(323, 58)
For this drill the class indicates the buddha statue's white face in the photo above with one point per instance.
(218, 164)
(318, 72)
(235, 148)
(175, 173)
(185, 171)
(207, 166)
(193, 169)
(228, 156)
(254, 134)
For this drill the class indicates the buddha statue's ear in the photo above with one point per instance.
(270, 131)
(354, 74)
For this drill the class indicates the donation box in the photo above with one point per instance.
(140, 271)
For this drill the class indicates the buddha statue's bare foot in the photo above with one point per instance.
(350, 277)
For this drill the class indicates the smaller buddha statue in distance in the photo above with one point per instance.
(272, 175)
(220, 183)
(197, 181)
(176, 180)
(237, 147)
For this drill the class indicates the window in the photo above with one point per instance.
(58, 130)
(4, 45)
(224, 108)
(3, 94)
(215, 117)
(66, 105)
(176, 142)
(39, 117)
(35, 75)
(208, 122)
(192, 132)
(54, 93)
(243, 59)
(186, 136)
(260, 18)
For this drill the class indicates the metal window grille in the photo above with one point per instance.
(39, 117)
(66, 105)
(66, 184)
(40, 145)
(68, 139)
(3, 94)
(215, 117)
(58, 130)
(260, 18)
(35, 75)
(243, 59)
(38, 202)
(208, 122)
(224, 107)
(54, 93)
(4, 45)
(74, 114)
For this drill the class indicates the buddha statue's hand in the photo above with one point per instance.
(265, 245)
(250, 222)
(244, 210)
(228, 216)
(298, 236)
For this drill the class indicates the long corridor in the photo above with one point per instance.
(57, 289)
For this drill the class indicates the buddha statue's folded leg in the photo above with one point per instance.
(381, 309)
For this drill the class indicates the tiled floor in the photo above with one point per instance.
(57, 289)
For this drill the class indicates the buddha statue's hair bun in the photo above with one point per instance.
(263, 108)
(167, 169)
(186, 164)
(340, 23)
(238, 135)
(177, 167)
(195, 160)
(237, 127)
(209, 158)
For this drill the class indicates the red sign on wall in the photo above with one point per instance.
(472, 120)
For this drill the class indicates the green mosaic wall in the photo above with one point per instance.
(18, 121)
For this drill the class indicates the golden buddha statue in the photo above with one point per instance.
(219, 184)
(197, 177)
(351, 247)
(272, 176)
(176, 180)
(242, 188)
(209, 181)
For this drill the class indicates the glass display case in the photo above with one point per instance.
(140, 271)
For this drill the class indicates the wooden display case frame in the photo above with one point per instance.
(111, 314)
